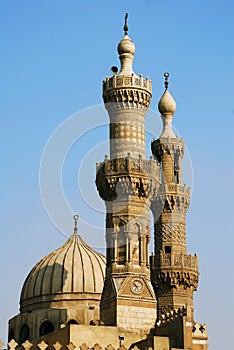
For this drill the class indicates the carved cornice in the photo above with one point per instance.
(176, 279)
(127, 176)
(169, 315)
(175, 269)
(127, 92)
(171, 198)
(167, 145)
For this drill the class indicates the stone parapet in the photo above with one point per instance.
(129, 82)
(171, 198)
(178, 269)
(174, 260)
(199, 337)
(167, 144)
(174, 189)
(127, 92)
(132, 176)
(177, 260)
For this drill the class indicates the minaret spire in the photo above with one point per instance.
(126, 50)
(167, 107)
(126, 24)
(166, 82)
(76, 219)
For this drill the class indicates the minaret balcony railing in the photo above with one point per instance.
(133, 81)
(181, 260)
(174, 189)
(129, 165)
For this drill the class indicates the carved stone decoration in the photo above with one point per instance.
(109, 347)
(71, 346)
(172, 146)
(84, 346)
(127, 92)
(12, 344)
(176, 279)
(96, 347)
(42, 345)
(27, 345)
(173, 233)
(135, 348)
(57, 345)
(121, 177)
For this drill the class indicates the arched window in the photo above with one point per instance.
(45, 328)
(72, 322)
(11, 335)
(136, 249)
(121, 249)
(176, 168)
(24, 333)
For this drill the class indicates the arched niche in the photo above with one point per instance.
(72, 321)
(121, 243)
(24, 333)
(45, 328)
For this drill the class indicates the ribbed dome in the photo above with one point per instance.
(72, 272)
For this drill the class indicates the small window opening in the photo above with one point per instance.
(176, 168)
(167, 249)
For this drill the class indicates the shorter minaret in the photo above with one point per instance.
(174, 273)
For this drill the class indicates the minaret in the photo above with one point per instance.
(174, 273)
(127, 182)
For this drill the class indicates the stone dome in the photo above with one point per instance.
(72, 273)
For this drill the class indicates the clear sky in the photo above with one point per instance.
(54, 56)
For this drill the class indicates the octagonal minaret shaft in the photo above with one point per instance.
(126, 182)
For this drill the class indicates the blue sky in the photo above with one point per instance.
(54, 56)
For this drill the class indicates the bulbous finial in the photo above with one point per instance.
(126, 24)
(166, 104)
(167, 107)
(76, 218)
(126, 50)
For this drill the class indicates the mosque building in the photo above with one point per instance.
(77, 298)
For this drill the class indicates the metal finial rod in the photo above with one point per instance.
(166, 82)
(76, 218)
(126, 24)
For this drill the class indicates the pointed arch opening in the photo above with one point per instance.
(24, 333)
(72, 321)
(46, 328)
(11, 335)
(121, 248)
(176, 167)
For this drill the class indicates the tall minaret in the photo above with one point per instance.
(127, 182)
(174, 273)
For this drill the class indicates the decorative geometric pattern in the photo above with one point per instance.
(131, 133)
(174, 233)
